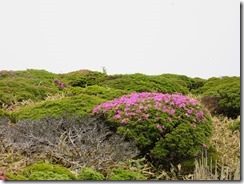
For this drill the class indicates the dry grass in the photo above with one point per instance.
(15, 106)
(15, 161)
(57, 96)
(195, 97)
(208, 171)
(226, 142)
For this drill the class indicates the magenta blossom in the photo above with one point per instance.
(117, 116)
(3, 172)
(3, 177)
(140, 106)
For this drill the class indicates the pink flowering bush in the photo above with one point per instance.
(169, 128)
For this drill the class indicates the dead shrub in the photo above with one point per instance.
(74, 142)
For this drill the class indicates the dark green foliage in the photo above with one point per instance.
(95, 90)
(222, 95)
(143, 83)
(123, 174)
(190, 83)
(45, 171)
(78, 101)
(182, 144)
(79, 104)
(196, 84)
(89, 174)
(83, 78)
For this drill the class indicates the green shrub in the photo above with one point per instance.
(196, 84)
(12, 176)
(83, 78)
(89, 174)
(169, 128)
(95, 90)
(191, 84)
(80, 104)
(222, 95)
(123, 174)
(140, 83)
(47, 175)
(44, 171)
(23, 85)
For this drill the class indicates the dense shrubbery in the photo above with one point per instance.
(23, 85)
(123, 174)
(191, 83)
(166, 128)
(44, 171)
(89, 174)
(83, 78)
(141, 82)
(73, 141)
(222, 95)
(99, 91)
(77, 101)
(79, 104)
(171, 128)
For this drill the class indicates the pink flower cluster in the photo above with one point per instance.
(59, 83)
(146, 105)
(2, 175)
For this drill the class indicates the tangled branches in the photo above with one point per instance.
(72, 141)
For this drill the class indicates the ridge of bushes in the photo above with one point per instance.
(191, 84)
(141, 82)
(76, 105)
(154, 112)
(34, 85)
(222, 95)
(82, 78)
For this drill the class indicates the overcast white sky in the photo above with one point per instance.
(197, 38)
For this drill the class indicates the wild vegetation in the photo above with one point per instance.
(222, 95)
(167, 128)
(88, 125)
